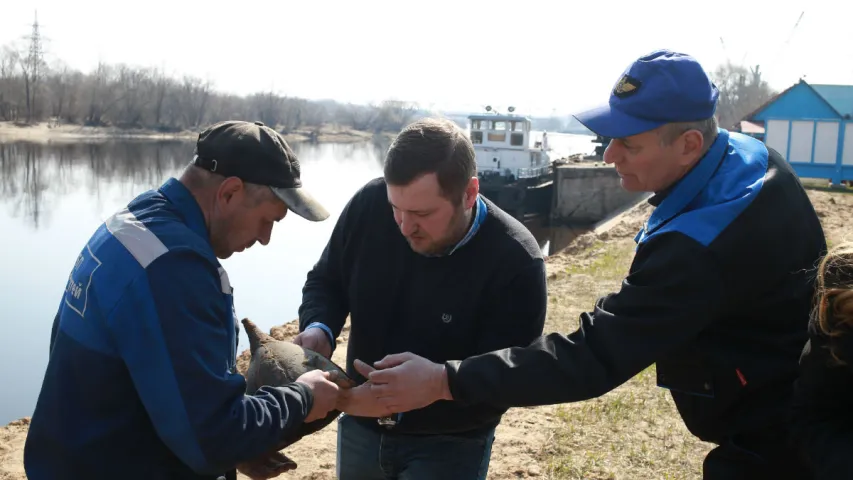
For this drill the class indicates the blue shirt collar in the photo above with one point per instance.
(686, 189)
(479, 215)
(186, 205)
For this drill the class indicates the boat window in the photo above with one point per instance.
(497, 137)
(516, 139)
(500, 126)
(517, 126)
(476, 137)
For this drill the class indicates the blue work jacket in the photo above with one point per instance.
(141, 381)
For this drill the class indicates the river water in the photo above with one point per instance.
(53, 196)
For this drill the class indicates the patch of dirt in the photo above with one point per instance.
(12, 438)
(632, 432)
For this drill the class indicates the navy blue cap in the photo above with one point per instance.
(658, 88)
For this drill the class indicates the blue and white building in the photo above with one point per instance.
(812, 127)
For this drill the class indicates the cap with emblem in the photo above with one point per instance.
(257, 154)
(658, 88)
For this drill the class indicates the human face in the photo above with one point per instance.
(430, 222)
(239, 218)
(644, 164)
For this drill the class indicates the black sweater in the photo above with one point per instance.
(489, 294)
(823, 405)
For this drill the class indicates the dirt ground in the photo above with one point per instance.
(631, 432)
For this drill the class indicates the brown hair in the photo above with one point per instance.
(834, 289)
(432, 145)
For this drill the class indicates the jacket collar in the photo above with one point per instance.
(677, 197)
(186, 205)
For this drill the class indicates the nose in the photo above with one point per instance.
(266, 234)
(407, 224)
(612, 152)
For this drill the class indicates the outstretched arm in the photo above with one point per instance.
(676, 289)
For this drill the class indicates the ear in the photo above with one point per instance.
(230, 191)
(692, 144)
(471, 192)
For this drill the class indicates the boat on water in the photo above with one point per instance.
(515, 171)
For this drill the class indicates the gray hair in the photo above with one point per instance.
(197, 178)
(708, 128)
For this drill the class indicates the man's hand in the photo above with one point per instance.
(325, 393)
(360, 401)
(314, 339)
(267, 466)
(408, 382)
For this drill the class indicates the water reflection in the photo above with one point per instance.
(34, 177)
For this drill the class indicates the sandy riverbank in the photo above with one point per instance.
(631, 432)
(44, 132)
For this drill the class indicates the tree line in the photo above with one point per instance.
(35, 90)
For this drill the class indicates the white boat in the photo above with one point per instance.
(514, 174)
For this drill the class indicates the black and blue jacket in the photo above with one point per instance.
(141, 381)
(718, 296)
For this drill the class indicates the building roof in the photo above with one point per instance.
(840, 97)
(750, 127)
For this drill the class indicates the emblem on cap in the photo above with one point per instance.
(626, 86)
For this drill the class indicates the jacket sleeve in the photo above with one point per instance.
(674, 291)
(324, 296)
(821, 426)
(171, 327)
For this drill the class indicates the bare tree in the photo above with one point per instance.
(742, 90)
(137, 97)
(8, 68)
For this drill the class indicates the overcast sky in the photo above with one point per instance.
(459, 54)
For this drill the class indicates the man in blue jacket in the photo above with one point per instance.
(142, 382)
(718, 295)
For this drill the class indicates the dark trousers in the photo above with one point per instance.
(366, 453)
(755, 456)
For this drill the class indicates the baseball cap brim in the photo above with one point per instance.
(613, 123)
(301, 203)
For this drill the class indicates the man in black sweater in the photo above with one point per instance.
(421, 262)
(717, 297)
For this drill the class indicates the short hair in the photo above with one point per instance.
(708, 127)
(432, 145)
(197, 178)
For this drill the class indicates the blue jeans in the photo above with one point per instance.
(368, 454)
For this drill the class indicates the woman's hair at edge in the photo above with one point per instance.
(834, 290)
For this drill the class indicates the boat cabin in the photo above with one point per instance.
(504, 131)
(502, 145)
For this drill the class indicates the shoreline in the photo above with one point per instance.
(44, 132)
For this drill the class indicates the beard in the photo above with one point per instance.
(457, 226)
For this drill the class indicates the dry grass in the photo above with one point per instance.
(633, 431)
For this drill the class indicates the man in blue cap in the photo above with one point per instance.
(718, 295)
